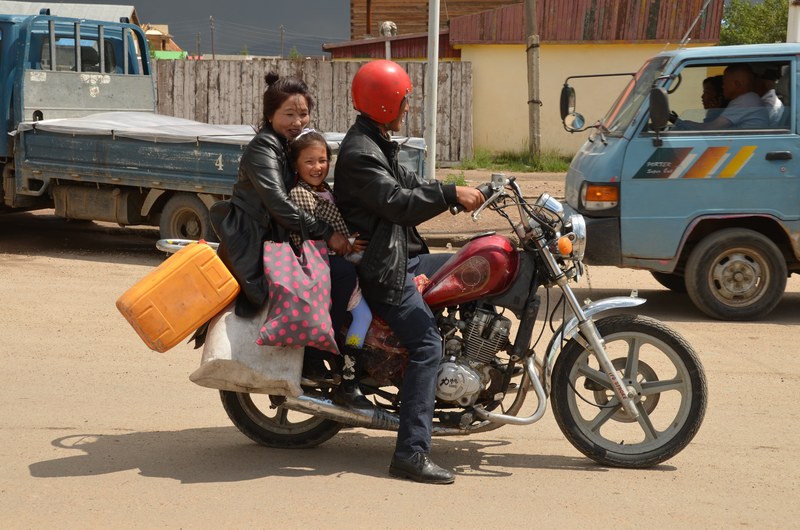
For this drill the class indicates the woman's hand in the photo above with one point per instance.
(340, 244)
(469, 198)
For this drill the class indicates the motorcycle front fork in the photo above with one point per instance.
(596, 346)
(595, 343)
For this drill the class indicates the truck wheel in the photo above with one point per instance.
(674, 282)
(186, 217)
(736, 274)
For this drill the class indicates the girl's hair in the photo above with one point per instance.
(305, 139)
(279, 89)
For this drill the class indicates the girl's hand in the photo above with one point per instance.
(339, 244)
(359, 245)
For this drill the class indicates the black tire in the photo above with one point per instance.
(736, 274)
(674, 282)
(255, 417)
(185, 216)
(667, 375)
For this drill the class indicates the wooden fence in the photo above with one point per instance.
(230, 92)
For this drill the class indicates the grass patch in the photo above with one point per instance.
(458, 179)
(520, 161)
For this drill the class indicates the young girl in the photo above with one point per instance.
(310, 155)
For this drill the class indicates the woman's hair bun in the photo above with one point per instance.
(271, 77)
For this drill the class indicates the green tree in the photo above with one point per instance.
(294, 54)
(746, 22)
(244, 51)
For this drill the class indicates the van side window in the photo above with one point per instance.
(740, 96)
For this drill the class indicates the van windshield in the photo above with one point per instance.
(627, 105)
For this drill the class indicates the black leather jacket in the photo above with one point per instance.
(384, 202)
(259, 210)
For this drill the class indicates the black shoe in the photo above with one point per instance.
(349, 395)
(421, 469)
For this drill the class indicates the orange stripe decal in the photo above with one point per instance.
(736, 163)
(705, 163)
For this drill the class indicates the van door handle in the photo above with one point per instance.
(779, 155)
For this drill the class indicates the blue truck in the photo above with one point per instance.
(710, 207)
(78, 104)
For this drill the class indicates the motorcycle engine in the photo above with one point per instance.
(470, 360)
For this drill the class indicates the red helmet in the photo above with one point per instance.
(378, 89)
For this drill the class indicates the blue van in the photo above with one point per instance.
(704, 196)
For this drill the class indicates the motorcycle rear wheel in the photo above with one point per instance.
(668, 378)
(256, 417)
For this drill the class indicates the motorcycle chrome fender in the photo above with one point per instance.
(569, 329)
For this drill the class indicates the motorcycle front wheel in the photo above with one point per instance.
(258, 419)
(670, 385)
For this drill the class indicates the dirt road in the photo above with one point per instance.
(97, 431)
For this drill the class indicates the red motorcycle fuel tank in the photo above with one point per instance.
(486, 265)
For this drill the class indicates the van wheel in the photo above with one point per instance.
(674, 282)
(186, 217)
(736, 274)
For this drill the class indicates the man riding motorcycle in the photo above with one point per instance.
(384, 202)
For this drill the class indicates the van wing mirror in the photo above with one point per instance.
(567, 103)
(659, 108)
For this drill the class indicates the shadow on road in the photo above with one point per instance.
(221, 454)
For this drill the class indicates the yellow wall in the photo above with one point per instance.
(500, 89)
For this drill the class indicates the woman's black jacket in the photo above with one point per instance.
(259, 210)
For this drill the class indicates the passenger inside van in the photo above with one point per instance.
(765, 87)
(745, 109)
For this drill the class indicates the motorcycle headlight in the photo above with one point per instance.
(551, 210)
(577, 226)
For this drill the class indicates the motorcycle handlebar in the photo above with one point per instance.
(485, 190)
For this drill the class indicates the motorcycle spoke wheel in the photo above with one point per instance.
(666, 375)
(261, 421)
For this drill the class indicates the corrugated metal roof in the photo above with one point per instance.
(411, 16)
(402, 48)
(106, 12)
(592, 21)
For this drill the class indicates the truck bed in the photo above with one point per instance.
(132, 149)
(147, 150)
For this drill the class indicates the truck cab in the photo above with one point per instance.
(706, 200)
(53, 68)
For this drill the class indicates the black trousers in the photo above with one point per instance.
(415, 326)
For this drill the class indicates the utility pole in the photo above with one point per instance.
(532, 34)
(793, 24)
(432, 88)
(282, 30)
(213, 51)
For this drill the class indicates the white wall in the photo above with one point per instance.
(500, 89)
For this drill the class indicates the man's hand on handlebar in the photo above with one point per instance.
(469, 198)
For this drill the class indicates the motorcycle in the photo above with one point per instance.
(626, 390)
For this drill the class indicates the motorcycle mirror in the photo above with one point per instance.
(659, 108)
(567, 103)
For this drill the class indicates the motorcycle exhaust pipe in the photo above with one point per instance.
(372, 418)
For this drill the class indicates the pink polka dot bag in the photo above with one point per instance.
(299, 296)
